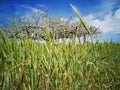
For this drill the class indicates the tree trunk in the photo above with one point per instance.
(84, 38)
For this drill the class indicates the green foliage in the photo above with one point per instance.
(81, 19)
(26, 65)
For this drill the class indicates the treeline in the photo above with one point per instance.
(35, 27)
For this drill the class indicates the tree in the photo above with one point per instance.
(35, 26)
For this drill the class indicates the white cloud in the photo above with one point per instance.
(41, 6)
(117, 14)
(32, 8)
(108, 5)
(110, 23)
(29, 11)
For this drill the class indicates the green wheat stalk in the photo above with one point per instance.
(81, 19)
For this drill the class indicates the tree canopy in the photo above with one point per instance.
(35, 27)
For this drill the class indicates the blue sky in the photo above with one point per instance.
(101, 13)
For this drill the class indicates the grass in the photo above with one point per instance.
(26, 65)
(81, 19)
(58, 66)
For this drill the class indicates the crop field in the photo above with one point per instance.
(26, 65)
(29, 65)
